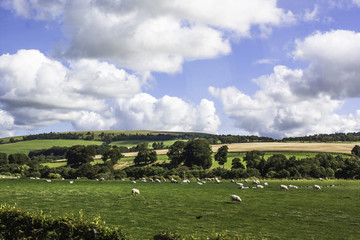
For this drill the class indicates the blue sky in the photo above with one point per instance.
(264, 67)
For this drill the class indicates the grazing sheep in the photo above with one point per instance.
(71, 182)
(143, 179)
(265, 183)
(259, 186)
(284, 187)
(232, 180)
(317, 187)
(102, 179)
(198, 179)
(245, 180)
(293, 186)
(133, 181)
(48, 180)
(135, 191)
(173, 180)
(200, 183)
(256, 182)
(217, 180)
(235, 198)
(242, 187)
(185, 181)
(240, 184)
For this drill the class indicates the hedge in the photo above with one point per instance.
(18, 224)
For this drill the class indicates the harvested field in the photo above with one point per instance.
(279, 147)
(295, 146)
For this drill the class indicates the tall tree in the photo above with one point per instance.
(198, 152)
(175, 152)
(253, 158)
(221, 155)
(79, 154)
(145, 155)
(114, 154)
(356, 150)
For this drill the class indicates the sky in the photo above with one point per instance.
(275, 68)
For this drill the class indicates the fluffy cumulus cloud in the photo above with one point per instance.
(334, 68)
(166, 113)
(357, 2)
(293, 102)
(156, 35)
(37, 91)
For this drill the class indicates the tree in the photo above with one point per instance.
(175, 152)
(79, 154)
(158, 145)
(253, 158)
(197, 152)
(3, 159)
(236, 163)
(221, 155)
(356, 150)
(18, 158)
(114, 154)
(145, 155)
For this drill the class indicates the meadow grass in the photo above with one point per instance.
(27, 146)
(133, 143)
(304, 213)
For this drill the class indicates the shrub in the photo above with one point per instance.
(18, 224)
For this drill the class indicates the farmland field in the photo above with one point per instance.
(27, 146)
(304, 213)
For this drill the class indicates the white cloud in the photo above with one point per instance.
(167, 113)
(334, 64)
(357, 2)
(311, 15)
(6, 124)
(277, 111)
(265, 61)
(37, 9)
(37, 91)
(293, 102)
(156, 35)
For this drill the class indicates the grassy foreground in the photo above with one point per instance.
(304, 213)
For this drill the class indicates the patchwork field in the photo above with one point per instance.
(304, 213)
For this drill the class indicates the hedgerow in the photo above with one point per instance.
(18, 224)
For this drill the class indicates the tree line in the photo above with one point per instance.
(194, 157)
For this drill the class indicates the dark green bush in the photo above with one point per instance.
(18, 224)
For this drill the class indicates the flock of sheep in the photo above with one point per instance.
(233, 197)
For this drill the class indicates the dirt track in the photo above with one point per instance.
(280, 146)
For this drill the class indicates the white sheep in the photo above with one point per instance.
(256, 182)
(265, 183)
(240, 184)
(293, 186)
(157, 180)
(133, 181)
(217, 180)
(200, 183)
(71, 182)
(235, 198)
(317, 187)
(259, 186)
(48, 180)
(185, 181)
(284, 187)
(135, 191)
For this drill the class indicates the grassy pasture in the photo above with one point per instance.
(27, 146)
(304, 213)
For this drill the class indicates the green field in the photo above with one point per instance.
(304, 213)
(27, 146)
